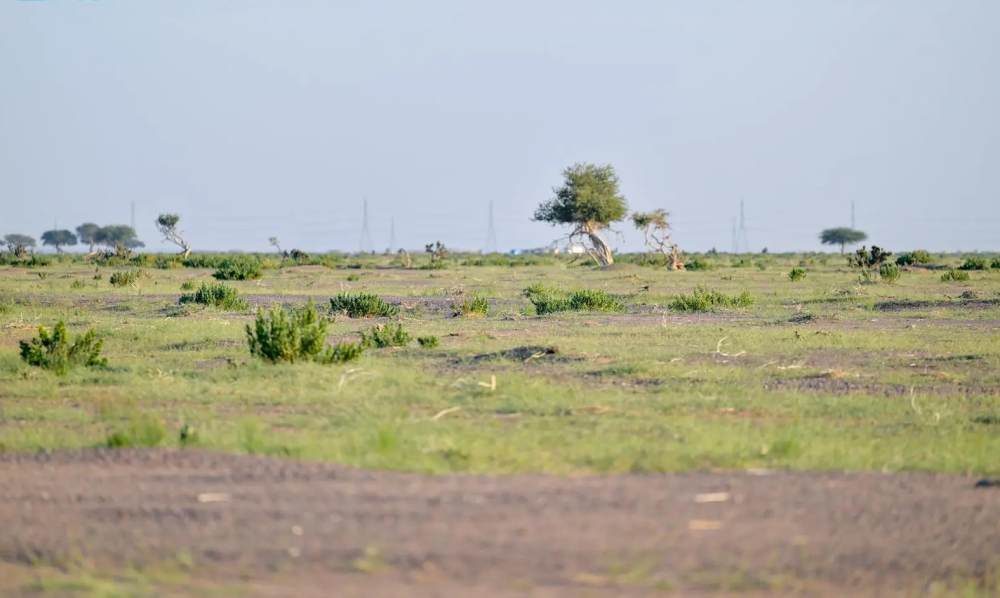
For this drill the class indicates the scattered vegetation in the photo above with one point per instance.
(477, 306)
(383, 336)
(974, 263)
(298, 336)
(55, 352)
(548, 300)
(239, 268)
(362, 306)
(219, 295)
(863, 259)
(796, 274)
(699, 263)
(915, 258)
(188, 285)
(704, 299)
(428, 342)
(143, 431)
(955, 276)
(128, 278)
(890, 273)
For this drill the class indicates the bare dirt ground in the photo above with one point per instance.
(308, 529)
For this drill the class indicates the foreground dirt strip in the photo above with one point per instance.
(412, 535)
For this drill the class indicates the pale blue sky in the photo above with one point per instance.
(256, 118)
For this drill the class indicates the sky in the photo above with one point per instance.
(254, 119)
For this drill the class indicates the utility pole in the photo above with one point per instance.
(491, 234)
(366, 237)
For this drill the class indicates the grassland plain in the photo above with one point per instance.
(821, 374)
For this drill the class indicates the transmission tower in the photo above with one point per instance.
(366, 237)
(392, 236)
(742, 243)
(491, 234)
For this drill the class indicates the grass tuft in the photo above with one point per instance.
(704, 299)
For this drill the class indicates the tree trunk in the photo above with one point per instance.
(843, 246)
(602, 252)
(186, 252)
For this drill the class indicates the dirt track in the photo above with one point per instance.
(628, 535)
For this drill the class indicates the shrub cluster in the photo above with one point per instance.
(478, 306)
(239, 268)
(704, 299)
(217, 295)
(385, 335)
(796, 274)
(919, 257)
(362, 306)
(299, 336)
(974, 263)
(548, 300)
(55, 352)
(127, 278)
(889, 273)
(955, 276)
(428, 342)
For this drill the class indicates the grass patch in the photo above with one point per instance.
(362, 305)
(705, 299)
(385, 335)
(955, 276)
(477, 306)
(548, 300)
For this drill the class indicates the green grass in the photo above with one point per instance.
(616, 379)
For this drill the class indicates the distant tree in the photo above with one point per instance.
(167, 225)
(589, 201)
(58, 238)
(86, 232)
(437, 251)
(117, 234)
(842, 236)
(656, 232)
(16, 240)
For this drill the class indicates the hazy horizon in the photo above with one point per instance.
(260, 119)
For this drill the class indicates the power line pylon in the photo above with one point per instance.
(491, 234)
(742, 242)
(366, 237)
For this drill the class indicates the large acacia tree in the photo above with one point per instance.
(18, 240)
(112, 235)
(588, 201)
(842, 236)
(58, 238)
(86, 232)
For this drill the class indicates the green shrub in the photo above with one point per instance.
(353, 277)
(280, 336)
(36, 261)
(703, 299)
(207, 261)
(699, 263)
(915, 258)
(796, 274)
(128, 278)
(77, 284)
(863, 259)
(143, 431)
(973, 263)
(428, 342)
(385, 335)
(239, 268)
(217, 295)
(995, 264)
(187, 285)
(954, 276)
(478, 306)
(548, 300)
(55, 352)
(889, 273)
(98, 276)
(362, 306)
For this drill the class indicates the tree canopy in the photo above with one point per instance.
(589, 200)
(167, 225)
(842, 236)
(58, 238)
(86, 232)
(109, 236)
(16, 239)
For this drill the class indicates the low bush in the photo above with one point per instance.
(974, 263)
(239, 268)
(353, 277)
(280, 336)
(889, 273)
(478, 306)
(796, 274)
(385, 335)
(954, 276)
(55, 352)
(187, 285)
(143, 431)
(77, 284)
(704, 299)
(128, 278)
(428, 342)
(362, 306)
(217, 295)
(699, 263)
(548, 300)
(995, 264)
(207, 261)
(915, 258)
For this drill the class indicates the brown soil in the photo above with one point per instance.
(301, 529)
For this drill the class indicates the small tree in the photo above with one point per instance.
(842, 236)
(58, 238)
(117, 234)
(16, 240)
(589, 201)
(656, 232)
(167, 225)
(437, 251)
(87, 232)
